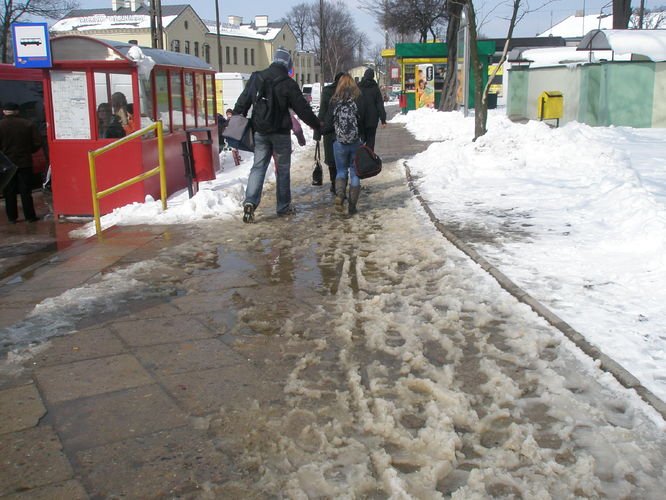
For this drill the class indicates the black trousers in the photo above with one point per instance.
(370, 134)
(20, 185)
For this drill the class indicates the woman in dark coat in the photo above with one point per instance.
(374, 105)
(326, 94)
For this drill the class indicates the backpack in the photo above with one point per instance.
(345, 122)
(266, 115)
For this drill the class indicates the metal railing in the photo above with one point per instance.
(159, 169)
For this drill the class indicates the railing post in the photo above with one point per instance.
(160, 153)
(93, 188)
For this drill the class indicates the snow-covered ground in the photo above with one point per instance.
(575, 215)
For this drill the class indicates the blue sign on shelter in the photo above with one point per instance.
(32, 48)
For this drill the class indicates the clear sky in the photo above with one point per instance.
(492, 12)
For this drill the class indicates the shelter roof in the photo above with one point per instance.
(84, 48)
(639, 44)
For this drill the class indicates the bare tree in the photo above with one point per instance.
(425, 17)
(621, 14)
(15, 10)
(342, 38)
(447, 101)
(300, 19)
(649, 19)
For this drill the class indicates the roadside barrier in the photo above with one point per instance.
(159, 169)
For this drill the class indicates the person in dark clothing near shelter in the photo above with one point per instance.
(374, 104)
(273, 141)
(329, 158)
(19, 139)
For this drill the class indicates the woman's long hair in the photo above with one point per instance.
(346, 89)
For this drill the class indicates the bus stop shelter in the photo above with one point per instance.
(86, 80)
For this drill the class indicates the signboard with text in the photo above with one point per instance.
(32, 48)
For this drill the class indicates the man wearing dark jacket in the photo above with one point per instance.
(19, 138)
(326, 94)
(275, 143)
(374, 104)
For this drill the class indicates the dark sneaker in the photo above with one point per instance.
(248, 213)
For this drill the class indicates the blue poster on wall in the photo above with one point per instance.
(32, 48)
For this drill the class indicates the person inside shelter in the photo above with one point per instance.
(108, 124)
(122, 111)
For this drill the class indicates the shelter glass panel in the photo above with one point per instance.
(162, 95)
(210, 99)
(188, 81)
(176, 100)
(200, 99)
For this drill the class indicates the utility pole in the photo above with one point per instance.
(322, 41)
(219, 40)
(156, 31)
(387, 66)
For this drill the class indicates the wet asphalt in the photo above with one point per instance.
(316, 355)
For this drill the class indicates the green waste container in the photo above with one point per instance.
(492, 101)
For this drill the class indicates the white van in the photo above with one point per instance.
(312, 92)
(228, 87)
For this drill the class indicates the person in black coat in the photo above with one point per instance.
(329, 158)
(274, 143)
(374, 104)
(19, 139)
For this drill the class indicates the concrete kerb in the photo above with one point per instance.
(606, 363)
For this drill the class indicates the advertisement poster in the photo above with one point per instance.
(425, 86)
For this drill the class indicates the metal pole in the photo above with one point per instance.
(219, 41)
(160, 30)
(322, 41)
(153, 26)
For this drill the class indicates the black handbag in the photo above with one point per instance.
(317, 173)
(7, 170)
(366, 162)
(238, 133)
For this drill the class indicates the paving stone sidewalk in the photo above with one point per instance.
(210, 361)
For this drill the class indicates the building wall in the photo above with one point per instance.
(625, 93)
(187, 28)
(659, 96)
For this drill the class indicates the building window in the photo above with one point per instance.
(206, 51)
(245, 56)
(252, 57)
(308, 77)
(186, 25)
(187, 46)
(228, 50)
(196, 49)
(175, 45)
(235, 55)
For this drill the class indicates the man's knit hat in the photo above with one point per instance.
(283, 57)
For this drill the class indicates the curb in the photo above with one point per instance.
(606, 362)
